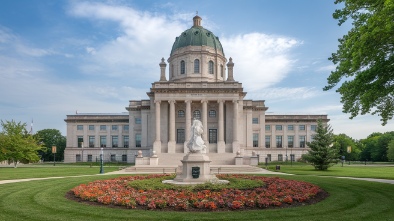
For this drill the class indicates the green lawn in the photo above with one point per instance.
(380, 171)
(44, 200)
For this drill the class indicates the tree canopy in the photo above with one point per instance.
(365, 58)
(17, 145)
(52, 137)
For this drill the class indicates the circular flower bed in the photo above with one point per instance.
(271, 192)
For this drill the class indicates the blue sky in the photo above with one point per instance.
(59, 57)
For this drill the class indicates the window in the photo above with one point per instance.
(180, 135)
(278, 127)
(90, 158)
(80, 141)
(280, 157)
(125, 127)
(124, 158)
(114, 127)
(181, 113)
(79, 127)
(113, 158)
(255, 140)
(103, 127)
(313, 137)
(212, 113)
(91, 127)
(137, 120)
(313, 127)
(138, 140)
(255, 120)
(126, 141)
(221, 71)
(183, 68)
(213, 136)
(269, 157)
(290, 127)
(302, 127)
(103, 141)
(290, 141)
(210, 67)
(78, 157)
(267, 141)
(196, 66)
(292, 157)
(91, 141)
(279, 141)
(267, 127)
(197, 114)
(114, 141)
(302, 141)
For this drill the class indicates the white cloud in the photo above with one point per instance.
(327, 68)
(282, 94)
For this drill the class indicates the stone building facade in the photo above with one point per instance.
(200, 85)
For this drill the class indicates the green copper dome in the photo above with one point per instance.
(197, 36)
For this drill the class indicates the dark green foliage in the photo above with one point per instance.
(322, 153)
(52, 137)
(390, 151)
(374, 147)
(342, 142)
(365, 58)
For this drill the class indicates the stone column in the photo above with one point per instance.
(157, 143)
(171, 142)
(188, 121)
(221, 144)
(205, 123)
(230, 66)
(235, 126)
(163, 70)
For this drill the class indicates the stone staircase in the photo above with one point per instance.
(215, 169)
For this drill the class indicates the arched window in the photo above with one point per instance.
(196, 66)
(181, 113)
(212, 113)
(210, 66)
(221, 70)
(183, 67)
(197, 114)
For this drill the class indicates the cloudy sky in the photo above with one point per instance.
(59, 57)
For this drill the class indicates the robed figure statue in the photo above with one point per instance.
(196, 143)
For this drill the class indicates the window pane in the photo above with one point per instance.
(313, 127)
(181, 113)
(302, 141)
(103, 141)
(124, 158)
(196, 66)
(183, 68)
(255, 120)
(180, 137)
(126, 141)
(267, 141)
(211, 67)
(125, 127)
(280, 157)
(91, 127)
(90, 158)
(137, 120)
(78, 157)
(212, 113)
(114, 127)
(212, 136)
(278, 141)
(138, 140)
(91, 141)
(278, 127)
(290, 127)
(255, 140)
(267, 127)
(113, 158)
(197, 114)
(114, 141)
(302, 127)
(79, 127)
(290, 141)
(80, 141)
(103, 127)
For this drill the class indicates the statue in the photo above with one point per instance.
(196, 143)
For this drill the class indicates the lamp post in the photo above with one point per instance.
(54, 154)
(101, 161)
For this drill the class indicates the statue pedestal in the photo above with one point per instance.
(197, 165)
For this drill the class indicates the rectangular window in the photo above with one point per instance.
(125, 127)
(292, 157)
(213, 136)
(126, 141)
(137, 120)
(267, 127)
(212, 113)
(278, 127)
(267, 141)
(255, 120)
(103, 141)
(138, 140)
(90, 158)
(278, 141)
(302, 127)
(302, 141)
(79, 127)
(180, 135)
(113, 158)
(114, 141)
(91, 127)
(78, 157)
(290, 141)
(313, 127)
(103, 127)
(255, 140)
(114, 127)
(269, 157)
(91, 141)
(313, 137)
(290, 127)
(80, 141)
(280, 157)
(124, 158)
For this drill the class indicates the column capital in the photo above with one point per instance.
(235, 101)
(204, 101)
(157, 101)
(188, 101)
(172, 101)
(220, 101)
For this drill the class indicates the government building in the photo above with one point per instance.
(201, 84)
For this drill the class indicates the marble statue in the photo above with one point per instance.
(196, 143)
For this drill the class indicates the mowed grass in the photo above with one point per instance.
(379, 171)
(348, 200)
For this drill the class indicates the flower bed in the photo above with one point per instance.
(275, 192)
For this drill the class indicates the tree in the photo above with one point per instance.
(375, 146)
(322, 153)
(342, 142)
(17, 145)
(52, 137)
(365, 58)
(390, 151)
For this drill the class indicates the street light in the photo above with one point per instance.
(101, 161)
(54, 153)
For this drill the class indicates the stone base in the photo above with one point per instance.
(196, 160)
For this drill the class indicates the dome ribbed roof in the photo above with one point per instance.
(197, 36)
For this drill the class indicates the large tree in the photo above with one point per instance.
(342, 142)
(322, 153)
(365, 58)
(52, 137)
(17, 145)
